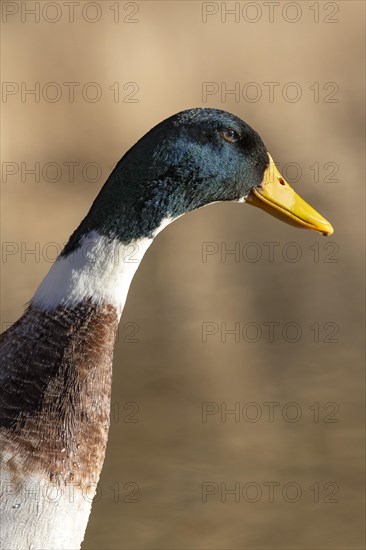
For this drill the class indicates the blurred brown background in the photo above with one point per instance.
(161, 454)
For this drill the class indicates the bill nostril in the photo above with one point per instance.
(282, 181)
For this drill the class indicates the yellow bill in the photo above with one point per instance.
(275, 196)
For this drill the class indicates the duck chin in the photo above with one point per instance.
(243, 198)
(164, 223)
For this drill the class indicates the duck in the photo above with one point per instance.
(56, 359)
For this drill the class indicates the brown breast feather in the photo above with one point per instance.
(56, 370)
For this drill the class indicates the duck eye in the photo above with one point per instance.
(229, 135)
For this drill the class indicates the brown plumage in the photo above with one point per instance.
(59, 390)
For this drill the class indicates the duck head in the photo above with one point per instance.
(194, 158)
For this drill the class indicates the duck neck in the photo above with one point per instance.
(99, 270)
